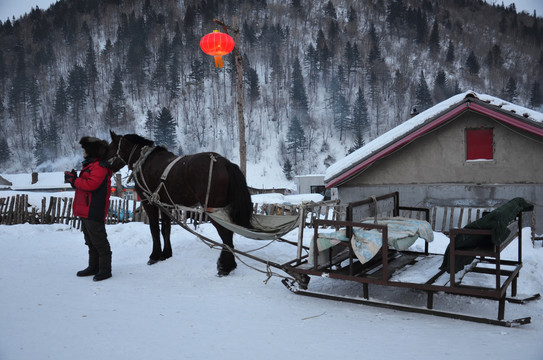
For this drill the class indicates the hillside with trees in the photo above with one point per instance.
(319, 81)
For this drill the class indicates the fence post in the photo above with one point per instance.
(10, 211)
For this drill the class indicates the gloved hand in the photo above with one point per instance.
(70, 176)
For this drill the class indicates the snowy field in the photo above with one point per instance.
(179, 308)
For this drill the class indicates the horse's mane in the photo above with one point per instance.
(139, 140)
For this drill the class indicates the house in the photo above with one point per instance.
(4, 184)
(38, 182)
(470, 150)
(312, 184)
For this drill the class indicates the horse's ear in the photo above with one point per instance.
(112, 134)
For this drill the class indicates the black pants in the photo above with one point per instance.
(96, 237)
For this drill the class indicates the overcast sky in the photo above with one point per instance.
(17, 8)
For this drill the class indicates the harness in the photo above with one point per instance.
(153, 197)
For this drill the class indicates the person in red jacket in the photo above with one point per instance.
(91, 204)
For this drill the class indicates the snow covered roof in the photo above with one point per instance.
(401, 135)
(46, 181)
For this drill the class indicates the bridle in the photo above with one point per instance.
(119, 157)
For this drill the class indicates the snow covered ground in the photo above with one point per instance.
(179, 308)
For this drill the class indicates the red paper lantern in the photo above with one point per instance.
(217, 44)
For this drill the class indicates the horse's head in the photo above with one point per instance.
(114, 156)
(125, 150)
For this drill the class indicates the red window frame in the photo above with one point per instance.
(479, 144)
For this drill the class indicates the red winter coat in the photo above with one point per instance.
(92, 190)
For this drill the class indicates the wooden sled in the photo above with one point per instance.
(391, 268)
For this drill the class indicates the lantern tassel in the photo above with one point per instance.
(218, 62)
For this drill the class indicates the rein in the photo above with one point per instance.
(119, 157)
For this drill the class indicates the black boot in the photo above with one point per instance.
(92, 269)
(104, 268)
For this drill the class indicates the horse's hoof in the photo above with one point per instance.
(222, 273)
(152, 261)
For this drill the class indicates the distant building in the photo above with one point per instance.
(5, 184)
(313, 184)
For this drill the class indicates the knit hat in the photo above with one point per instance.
(94, 147)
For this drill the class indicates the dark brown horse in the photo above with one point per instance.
(205, 179)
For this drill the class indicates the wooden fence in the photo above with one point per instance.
(57, 210)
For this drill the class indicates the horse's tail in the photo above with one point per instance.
(241, 206)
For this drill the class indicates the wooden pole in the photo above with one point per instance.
(239, 71)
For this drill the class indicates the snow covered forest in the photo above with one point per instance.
(321, 78)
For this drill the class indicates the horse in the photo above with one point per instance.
(204, 179)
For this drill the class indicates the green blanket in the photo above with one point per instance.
(497, 221)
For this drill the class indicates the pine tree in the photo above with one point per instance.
(441, 91)
(323, 53)
(421, 27)
(174, 78)
(160, 75)
(115, 114)
(510, 93)
(150, 125)
(494, 58)
(165, 133)
(422, 94)
(352, 16)
(287, 169)
(3, 72)
(76, 92)
(330, 10)
(296, 140)
(375, 53)
(251, 78)
(311, 64)
(197, 71)
(137, 52)
(472, 64)
(536, 97)
(396, 13)
(61, 100)
(39, 144)
(249, 33)
(17, 95)
(450, 53)
(359, 124)
(297, 90)
(338, 102)
(91, 69)
(433, 42)
(34, 101)
(5, 153)
(52, 139)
